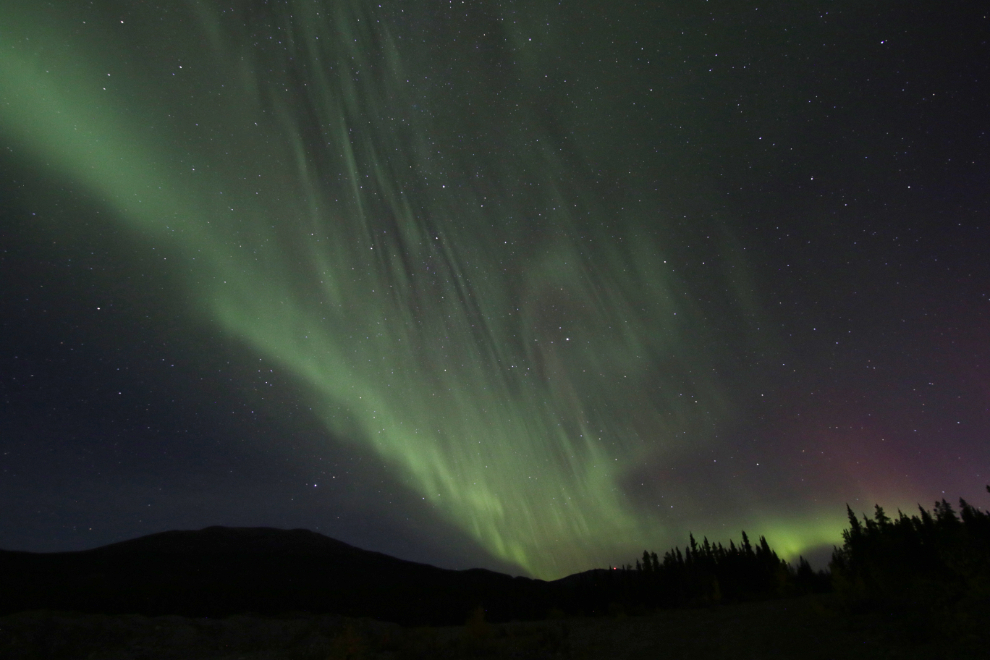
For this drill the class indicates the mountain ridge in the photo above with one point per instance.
(218, 571)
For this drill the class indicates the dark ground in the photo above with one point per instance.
(808, 627)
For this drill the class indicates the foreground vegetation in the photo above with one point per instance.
(811, 627)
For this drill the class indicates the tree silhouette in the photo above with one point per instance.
(933, 560)
(707, 573)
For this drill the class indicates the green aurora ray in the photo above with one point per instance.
(401, 225)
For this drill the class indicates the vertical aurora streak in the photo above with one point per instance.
(417, 243)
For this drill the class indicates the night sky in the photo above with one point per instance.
(529, 285)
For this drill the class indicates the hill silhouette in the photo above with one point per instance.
(220, 571)
(919, 584)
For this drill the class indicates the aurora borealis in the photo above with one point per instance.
(526, 285)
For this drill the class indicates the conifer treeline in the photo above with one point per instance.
(933, 559)
(708, 573)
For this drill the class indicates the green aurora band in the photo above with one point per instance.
(413, 240)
